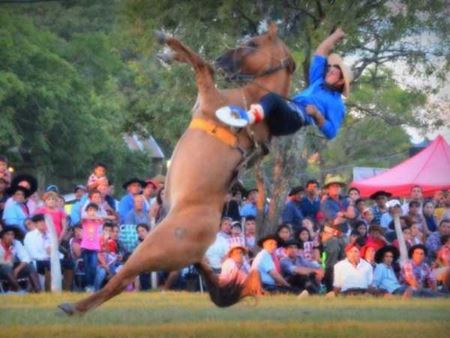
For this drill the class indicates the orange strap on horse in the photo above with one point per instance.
(222, 134)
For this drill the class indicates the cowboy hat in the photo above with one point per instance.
(380, 193)
(266, 238)
(133, 180)
(236, 243)
(379, 255)
(330, 178)
(32, 181)
(13, 190)
(335, 59)
(295, 190)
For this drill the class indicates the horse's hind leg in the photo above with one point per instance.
(177, 242)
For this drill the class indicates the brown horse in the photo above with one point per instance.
(203, 165)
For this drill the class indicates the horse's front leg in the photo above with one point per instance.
(204, 73)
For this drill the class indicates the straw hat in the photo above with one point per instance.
(330, 178)
(335, 59)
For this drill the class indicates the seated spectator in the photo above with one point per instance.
(90, 243)
(3, 195)
(417, 274)
(442, 264)
(57, 215)
(368, 217)
(353, 275)
(5, 174)
(284, 233)
(218, 250)
(107, 257)
(138, 215)
(75, 242)
(429, 217)
(384, 276)
(406, 230)
(236, 231)
(249, 206)
(250, 235)
(14, 261)
(97, 176)
(16, 211)
(415, 213)
(354, 194)
(361, 229)
(271, 279)
(368, 252)
(380, 197)
(235, 268)
(104, 210)
(133, 187)
(360, 206)
(394, 208)
(292, 210)
(298, 272)
(310, 204)
(433, 242)
(308, 249)
(38, 246)
(417, 236)
(376, 235)
(144, 278)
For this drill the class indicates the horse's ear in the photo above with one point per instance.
(273, 30)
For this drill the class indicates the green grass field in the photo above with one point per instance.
(193, 315)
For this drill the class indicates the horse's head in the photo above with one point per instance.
(259, 56)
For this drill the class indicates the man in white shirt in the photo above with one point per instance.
(353, 275)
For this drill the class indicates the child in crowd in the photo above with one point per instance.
(4, 172)
(90, 243)
(52, 209)
(97, 176)
(308, 249)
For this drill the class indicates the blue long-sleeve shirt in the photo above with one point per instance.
(328, 102)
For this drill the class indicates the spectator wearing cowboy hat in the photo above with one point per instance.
(319, 104)
(235, 267)
(353, 275)
(337, 208)
(384, 276)
(380, 197)
(271, 279)
(28, 182)
(300, 273)
(292, 211)
(133, 187)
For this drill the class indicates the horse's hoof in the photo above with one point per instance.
(161, 37)
(68, 309)
(166, 56)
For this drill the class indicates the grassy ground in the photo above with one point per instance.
(193, 315)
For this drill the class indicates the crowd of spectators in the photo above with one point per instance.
(327, 241)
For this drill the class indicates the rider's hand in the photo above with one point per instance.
(339, 34)
(311, 110)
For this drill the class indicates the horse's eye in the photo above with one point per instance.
(252, 44)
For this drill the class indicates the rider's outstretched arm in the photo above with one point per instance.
(327, 45)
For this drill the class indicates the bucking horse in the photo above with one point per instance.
(206, 160)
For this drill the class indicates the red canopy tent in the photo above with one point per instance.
(429, 169)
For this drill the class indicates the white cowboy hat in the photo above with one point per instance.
(335, 59)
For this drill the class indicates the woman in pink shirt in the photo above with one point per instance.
(58, 215)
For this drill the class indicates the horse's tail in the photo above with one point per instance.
(224, 295)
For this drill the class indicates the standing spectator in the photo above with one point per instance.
(150, 189)
(354, 195)
(217, 251)
(359, 206)
(433, 242)
(271, 279)
(249, 207)
(97, 176)
(353, 275)
(108, 202)
(417, 273)
(58, 216)
(416, 195)
(361, 229)
(428, 215)
(332, 252)
(16, 211)
(104, 210)
(158, 211)
(380, 208)
(231, 206)
(90, 243)
(337, 208)
(133, 187)
(138, 214)
(368, 217)
(292, 211)
(310, 204)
